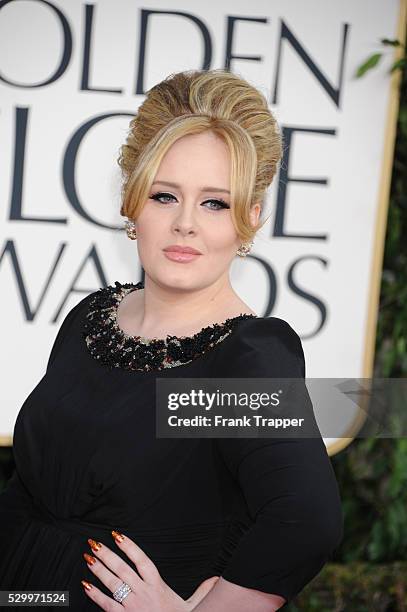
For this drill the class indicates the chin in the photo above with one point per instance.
(180, 282)
(166, 277)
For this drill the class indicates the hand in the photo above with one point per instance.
(148, 590)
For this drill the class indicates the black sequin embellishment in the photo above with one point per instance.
(116, 349)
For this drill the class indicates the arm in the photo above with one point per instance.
(290, 490)
(226, 595)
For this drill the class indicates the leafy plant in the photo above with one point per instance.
(374, 59)
(373, 472)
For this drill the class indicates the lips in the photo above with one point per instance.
(174, 248)
(180, 254)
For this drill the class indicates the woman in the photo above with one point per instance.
(202, 524)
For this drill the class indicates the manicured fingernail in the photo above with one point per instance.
(117, 536)
(87, 585)
(95, 546)
(89, 558)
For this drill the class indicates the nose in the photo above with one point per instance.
(184, 221)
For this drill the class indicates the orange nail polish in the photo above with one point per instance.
(87, 585)
(95, 546)
(119, 537)
(89, 558)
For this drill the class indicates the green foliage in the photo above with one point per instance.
(373, 60)
(373, 481)
(355, 587)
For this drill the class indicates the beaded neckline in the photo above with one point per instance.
(113, 347)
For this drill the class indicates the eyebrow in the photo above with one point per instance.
(170, 184)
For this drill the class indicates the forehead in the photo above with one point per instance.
(198, 158)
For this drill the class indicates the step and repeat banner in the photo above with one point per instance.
(72, 75)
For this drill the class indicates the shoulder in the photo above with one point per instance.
(101, 297)
(89, 314)
(269, 346)
(266, 330)
(68, 325)
(269, 334)
(76, 310)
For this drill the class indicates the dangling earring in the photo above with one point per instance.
(130, 229)
(244, 249)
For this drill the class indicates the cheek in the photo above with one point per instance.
(148, 242)
(221, 236)
(148, 218)
(147, 234)
(150, 226)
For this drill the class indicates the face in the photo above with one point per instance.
(190, 206)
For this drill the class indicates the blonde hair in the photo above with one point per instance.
(193, 102)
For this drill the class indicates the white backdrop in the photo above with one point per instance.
(71, 76)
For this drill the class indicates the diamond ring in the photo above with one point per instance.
(122, 592)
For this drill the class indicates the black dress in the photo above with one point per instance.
(263, 513)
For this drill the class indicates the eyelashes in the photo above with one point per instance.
(161, 194)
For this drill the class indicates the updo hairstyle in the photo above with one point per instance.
(193, 102)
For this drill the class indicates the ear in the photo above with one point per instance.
(255, 213)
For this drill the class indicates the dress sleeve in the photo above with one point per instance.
(64, 329)
(289, 484)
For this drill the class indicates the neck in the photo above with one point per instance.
(171, 308)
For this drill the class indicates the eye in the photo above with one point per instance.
(220, 203)
(157, 196)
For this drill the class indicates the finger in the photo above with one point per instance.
(117, 566)
(103, 601)
(145, 566)
(110, 580)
